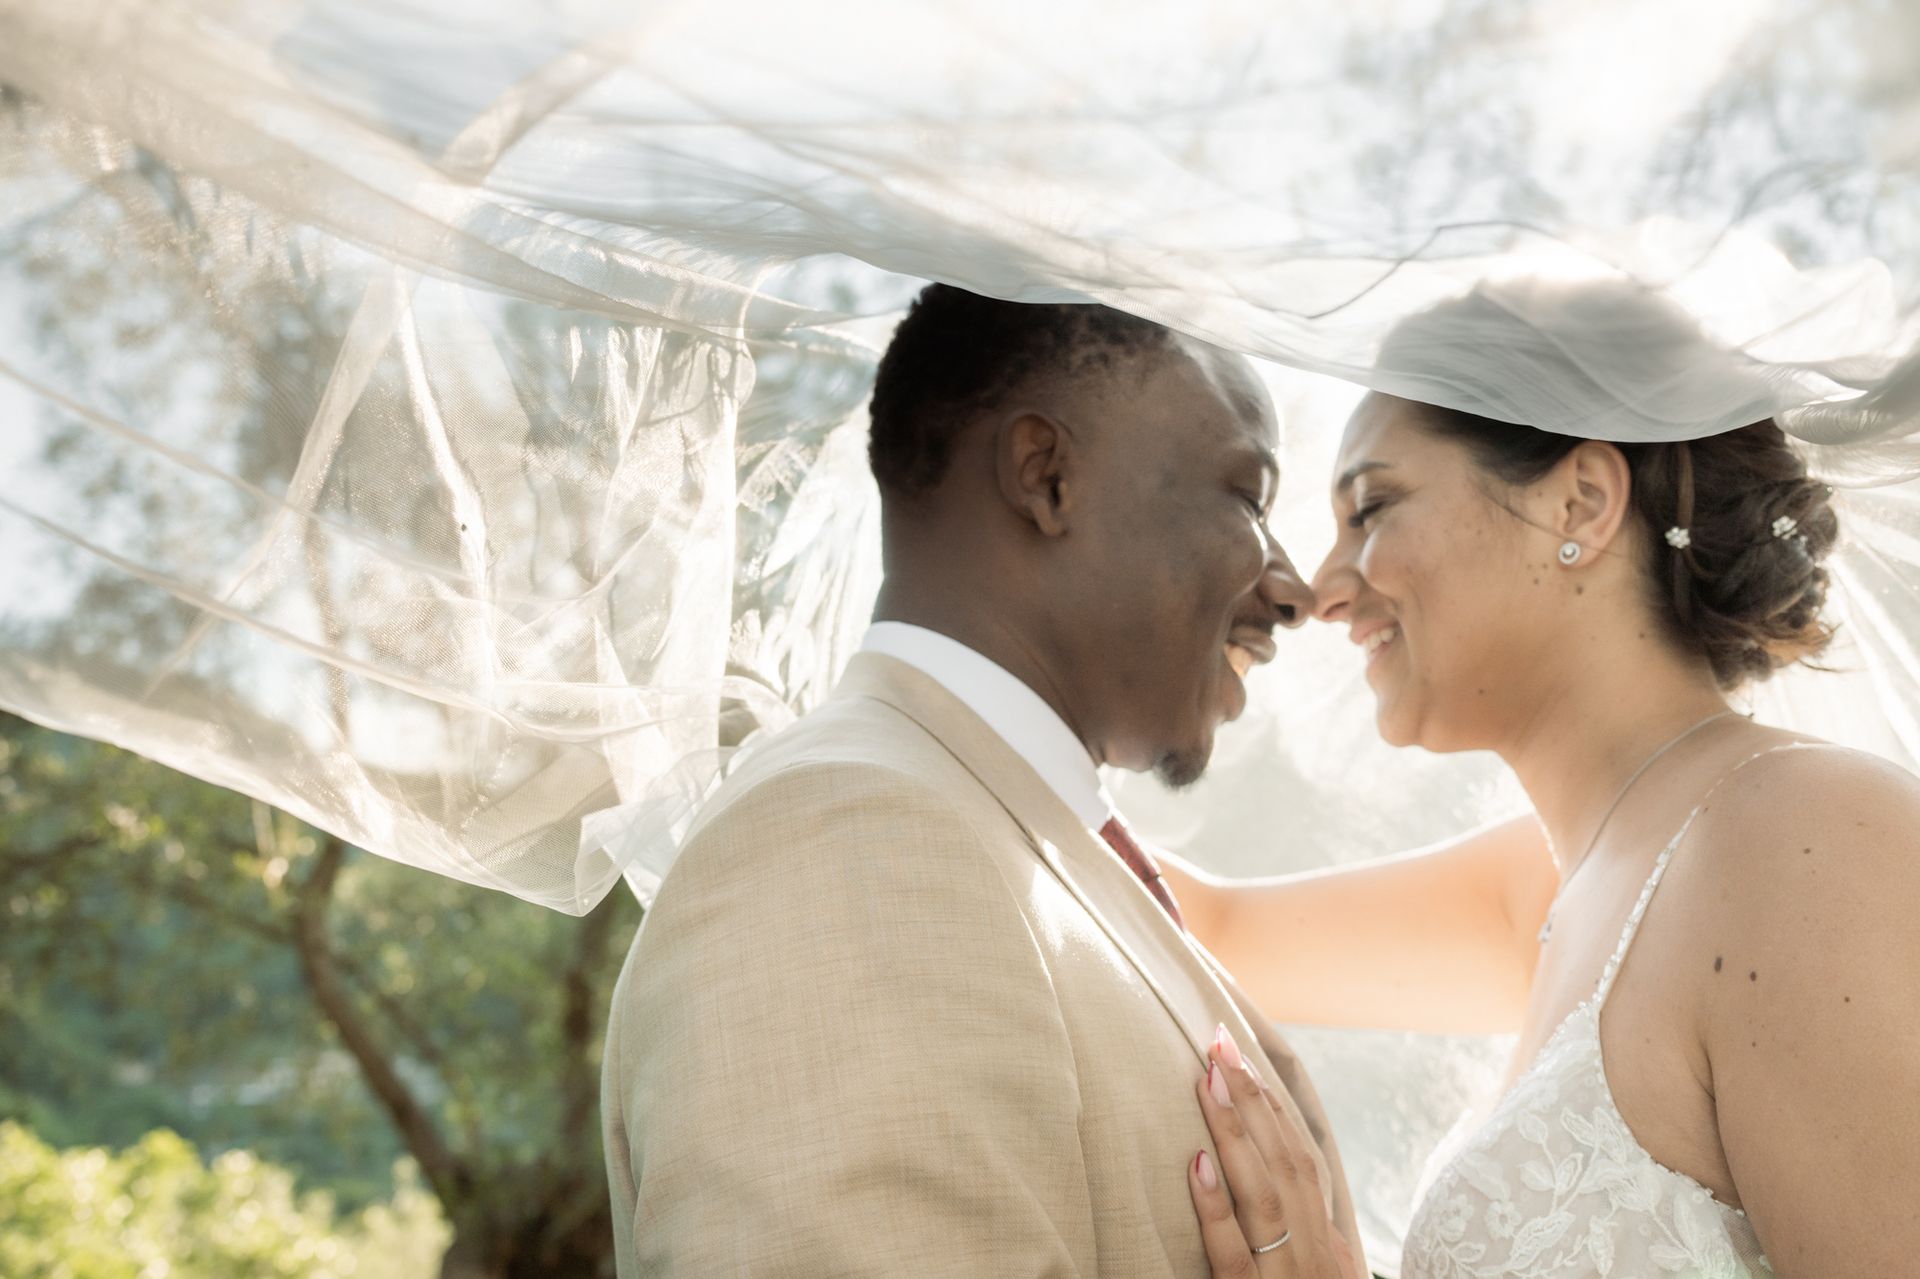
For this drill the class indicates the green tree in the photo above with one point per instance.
(177, 955)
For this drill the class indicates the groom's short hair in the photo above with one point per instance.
(957, 355)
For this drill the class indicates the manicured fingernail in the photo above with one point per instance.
(1217, 1085)
(1203, 1169)
(1228, 1050)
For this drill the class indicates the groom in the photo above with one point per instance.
(912, 1000)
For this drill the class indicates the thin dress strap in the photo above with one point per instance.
(1639, 911)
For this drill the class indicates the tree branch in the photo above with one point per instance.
(442, 1169)
(192, 899)
(420, 1041)
(576, 1201)
(580, 1083)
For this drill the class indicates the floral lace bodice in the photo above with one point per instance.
(1552, 1182)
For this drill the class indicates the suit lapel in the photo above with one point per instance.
(1090, 871)
(1188, 982)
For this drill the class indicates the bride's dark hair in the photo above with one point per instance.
(1745, 598)
(1747, 589)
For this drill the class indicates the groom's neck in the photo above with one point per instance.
(990, 627)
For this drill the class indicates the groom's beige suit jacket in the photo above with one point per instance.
(895, 1010)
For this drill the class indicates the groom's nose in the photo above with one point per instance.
(1282, 587)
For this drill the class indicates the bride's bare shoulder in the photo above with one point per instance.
(1799, 781)
(1804, 868)
(1813, 839)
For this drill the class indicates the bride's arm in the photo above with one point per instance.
(1442, 939)
(1803, 967)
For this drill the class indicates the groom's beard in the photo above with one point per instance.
(1178, 770)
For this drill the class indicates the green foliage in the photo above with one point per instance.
(152, 976)
(156, 1209)
(173, 955)
(143, 970)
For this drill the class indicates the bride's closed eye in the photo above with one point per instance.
(1366, 512)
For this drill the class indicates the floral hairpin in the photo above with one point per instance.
(1785, 528)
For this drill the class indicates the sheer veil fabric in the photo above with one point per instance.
(444, 421)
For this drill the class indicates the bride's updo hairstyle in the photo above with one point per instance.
(1744, 587)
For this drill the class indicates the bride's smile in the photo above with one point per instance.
(1584, 609)
(1440, 587)
(1375, 640)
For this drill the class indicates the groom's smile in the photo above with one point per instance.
(1249, 647)
(1185, 530)
(1093, 516)
(1246, 648)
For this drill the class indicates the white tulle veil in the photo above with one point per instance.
(444, 421)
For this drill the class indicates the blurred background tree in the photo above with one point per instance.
(177, 957)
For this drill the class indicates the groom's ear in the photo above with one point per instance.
(1595, 495)
(1033, 461)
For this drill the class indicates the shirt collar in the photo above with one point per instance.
(1010, 708)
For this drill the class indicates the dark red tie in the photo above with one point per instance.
(1142, 864)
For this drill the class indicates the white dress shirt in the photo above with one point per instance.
(1019, 715)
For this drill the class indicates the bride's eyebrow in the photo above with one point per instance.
(1354, 472)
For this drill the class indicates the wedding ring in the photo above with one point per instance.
(1284, 1236)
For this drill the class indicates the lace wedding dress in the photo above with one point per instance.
(1553, 1183)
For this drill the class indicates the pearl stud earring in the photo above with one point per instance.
(1570, 553)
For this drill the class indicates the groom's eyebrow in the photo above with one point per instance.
(1354, 472)
(1257, 455)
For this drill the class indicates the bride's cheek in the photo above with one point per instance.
(1380, 561)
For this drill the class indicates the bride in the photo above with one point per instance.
(1703, 933)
